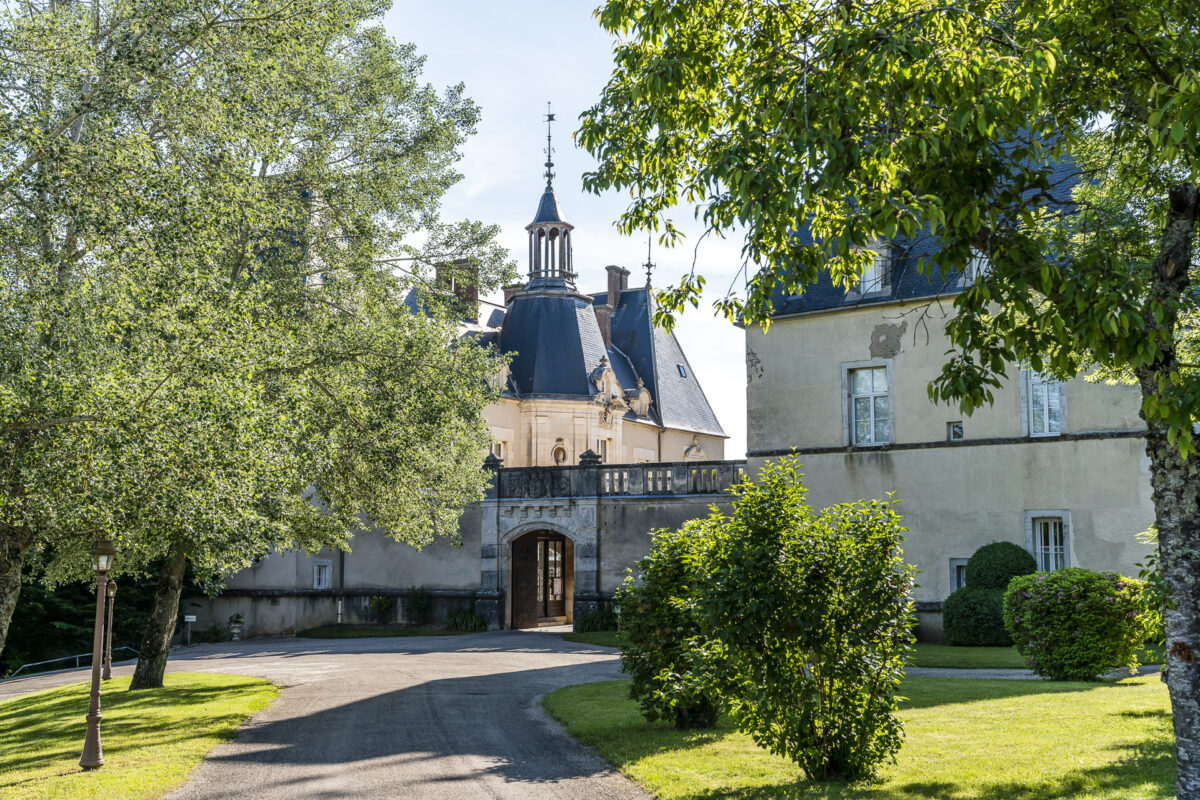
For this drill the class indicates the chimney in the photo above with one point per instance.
(510, 290)
(604, 318)
(461, 277)
(618, 281)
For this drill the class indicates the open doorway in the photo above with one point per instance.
(542, 580)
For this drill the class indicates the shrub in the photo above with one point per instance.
(1075, 624)
(974, 617)
(212, 634)
(417, 605)
(603, 619)
(810, 621)
(383, 607)
(994, 565)
(658, 625)
(465, 620)
(1154, 599)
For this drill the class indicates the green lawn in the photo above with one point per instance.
(603, 638)
(966, 739)
(369, 631)
(944, 655)
(151, 739)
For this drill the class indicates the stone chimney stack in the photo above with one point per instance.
(604, 318)
(618, 281)
(510, 290)
(462, 278)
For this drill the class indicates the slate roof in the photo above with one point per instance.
(548, 210)
(907, 282)
(555, 341)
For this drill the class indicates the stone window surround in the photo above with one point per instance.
(1025, 376)
(1061, 514)
(328, 568)
(955, 563)
(846, 367)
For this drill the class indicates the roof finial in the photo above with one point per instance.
(549, 148)
(649, 265)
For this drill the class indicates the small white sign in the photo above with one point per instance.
(189, 617)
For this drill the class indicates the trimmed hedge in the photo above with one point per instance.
(1076, 624)
(994, 565)
(973, 616)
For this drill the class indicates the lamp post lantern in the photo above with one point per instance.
(102, 558)
(112, 601)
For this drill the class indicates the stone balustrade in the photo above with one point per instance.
(589, 480)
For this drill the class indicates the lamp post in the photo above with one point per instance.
(102, 558)
(112, 601)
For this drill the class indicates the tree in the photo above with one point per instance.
(206, 350)
(895, 120)
(806, 620)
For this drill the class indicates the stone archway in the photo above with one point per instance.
(541, 583)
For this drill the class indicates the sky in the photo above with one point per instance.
(514, 56)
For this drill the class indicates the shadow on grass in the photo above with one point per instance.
(1128, 776)
(38, 732)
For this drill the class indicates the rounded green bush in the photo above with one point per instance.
(995, 564)
(1075, 624)
(973, 616)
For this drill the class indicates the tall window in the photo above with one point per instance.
(322, 575)
(602, 449)
(1049, 543)
(1044, 404)
(876, 277)
(870, 406)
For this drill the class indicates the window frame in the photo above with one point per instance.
(1032, 518)
(881, 262)
(317, 565)
(1030, 378)
(977, 266)
(848, 401)
(955, 565)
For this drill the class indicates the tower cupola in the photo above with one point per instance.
(551, 262)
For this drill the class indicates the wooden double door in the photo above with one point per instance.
(540, 579)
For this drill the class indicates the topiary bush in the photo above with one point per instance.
(994, 565)
(604, 619)
(974, 617)
(810, 622)
(466, 621)
(659, 629)
(1075, 624)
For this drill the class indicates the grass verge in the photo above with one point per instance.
(950, 657)
(966, 739)
(151, 739)
(370, 631)
(602, 638)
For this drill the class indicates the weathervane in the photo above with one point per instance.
(549, 148)
(649, 265)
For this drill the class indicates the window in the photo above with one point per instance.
(958, 573)
(954, 431)
(682, 370)
(870, 406)
(978, 266)
(877, 277)
(1047, 536)
(322, 575)
(602, 449)
(1043, 405)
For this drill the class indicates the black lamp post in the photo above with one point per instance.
(102, 558)
(112, 601)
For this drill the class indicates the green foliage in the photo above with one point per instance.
(204, 335)
(973, 616)
(1075, 624)
(383, 607)
(659, 629)
(466, 621)
(604, 619)
(1154, 596)
(417, 605)
(807, 622)
(994, 565)
(213, 634)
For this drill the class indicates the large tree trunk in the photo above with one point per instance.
(13, 547)
(1176, 485)
(156, 642)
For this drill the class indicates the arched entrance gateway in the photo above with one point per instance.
(543, 579)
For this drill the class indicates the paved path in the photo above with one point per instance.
(420, 717)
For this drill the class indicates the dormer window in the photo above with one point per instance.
(682, 370)
(877, 277)
(978, 266)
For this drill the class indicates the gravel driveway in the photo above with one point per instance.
(420, 717)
